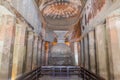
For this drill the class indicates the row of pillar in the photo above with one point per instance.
(21, 49)
(100, 49)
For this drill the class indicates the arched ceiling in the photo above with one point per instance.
(39, 2)
(60, 14)
(60, 10)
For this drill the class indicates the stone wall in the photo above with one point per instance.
(99, 15)
(19, 48)
(100, 51)
(29, 10)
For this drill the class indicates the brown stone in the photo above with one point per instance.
(61, 55)
(7, 27)
(82, 54)
(86, 52)
(113, 45)
(43, 54)
(19, 50)
(76, 54)
(79, 62)
(39, 52)
(35, 52)
(29, 56)
(101, 51)
(92, 51)
(47, 48)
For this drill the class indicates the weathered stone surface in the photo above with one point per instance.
(86, 52)
(35, 52)
(101, 51)
(43, 53)
(39, 52)
(76, 53)
(79, 53)
(49, 35)
(72, 54)
(109, 7)
(60, 55)
(60, 61)
(7, 27)
(92, 51)
(29, 56)
(113, 30)
(0, 2)
(47, 50)
(28, 9)
(82, 54)
(19, 50)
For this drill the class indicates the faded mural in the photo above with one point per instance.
(91, 9)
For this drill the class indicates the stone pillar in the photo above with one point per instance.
(86, 52)
(46, 52)
(30, 48)
(82, 53)
(19, 50)
(7, 33)
(76, 53)
(72, 49)
(35, 52)
(113, 30)
(43, 54)
(92, 51)
(79, 56)
(101, 51)
(39, 51)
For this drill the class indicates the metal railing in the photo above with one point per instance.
(82, 72)
(60, 70)
(87, 75)
(33, 75)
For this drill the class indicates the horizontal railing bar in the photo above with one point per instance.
(80, 71)
(29, 75)
(86, 73)
(59, 74)
(59, 69)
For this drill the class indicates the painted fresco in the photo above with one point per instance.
(91, 9)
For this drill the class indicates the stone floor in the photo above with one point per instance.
(74, 77)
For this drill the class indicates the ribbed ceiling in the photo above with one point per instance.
(61, 13)
(60, 10)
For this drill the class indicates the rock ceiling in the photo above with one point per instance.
(60, 14)
(60, 10)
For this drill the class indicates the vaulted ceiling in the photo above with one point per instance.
(39, 2)
(60, 15)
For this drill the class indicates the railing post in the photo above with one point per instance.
(36, 75)
(60, 72)
(68, 72)
(53, 69)
(83, 75)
